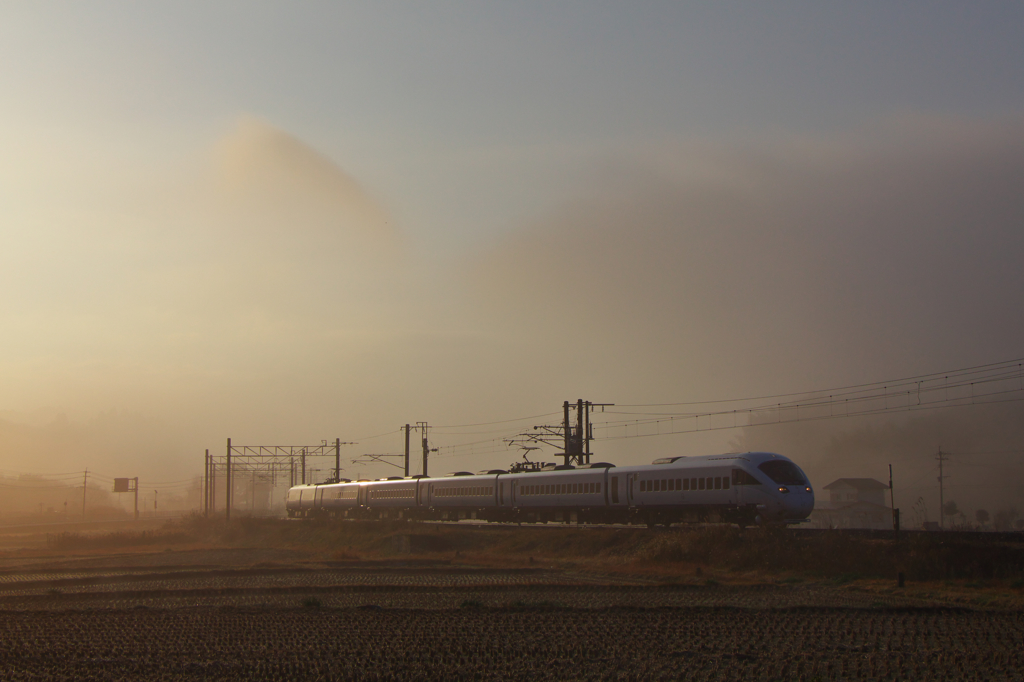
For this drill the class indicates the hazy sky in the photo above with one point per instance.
(283, 223)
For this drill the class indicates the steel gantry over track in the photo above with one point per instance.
(273, 462)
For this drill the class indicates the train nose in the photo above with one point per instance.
(799, 502)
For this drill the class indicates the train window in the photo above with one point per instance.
(740, 477)
(783, 472)
(643, 486)
(663, 485)
(700, 483)
(725, 482)
(686, 484)
(718, 482)
(711, 483)
(678, 484)
(598, 487)
(671, 485)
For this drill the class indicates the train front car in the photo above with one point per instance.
(784, 495)
(753, 488)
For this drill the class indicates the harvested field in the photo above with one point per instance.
(277, 600)
(513, 644)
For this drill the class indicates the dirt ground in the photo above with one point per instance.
(273, 601)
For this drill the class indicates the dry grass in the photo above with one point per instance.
(714, 552)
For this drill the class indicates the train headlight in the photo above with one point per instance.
(783, 489)
(808, 488)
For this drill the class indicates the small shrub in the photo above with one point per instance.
(311, 603)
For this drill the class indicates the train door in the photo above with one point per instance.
(318, 499)
(737, 490)
(615, 489)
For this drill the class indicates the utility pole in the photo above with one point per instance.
(302, 457)
(213, 487)
(423, 427)
(406, 450)
(892, 505)
(227, 486)
(567, 450)
(206, 485)
(942, 457)
(85, 484)
(337, 460)
(291, 480)
(577, 440)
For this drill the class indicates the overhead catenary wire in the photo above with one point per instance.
(1019, 362)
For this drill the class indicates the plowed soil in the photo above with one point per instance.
(513, 644)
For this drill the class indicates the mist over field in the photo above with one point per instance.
(213, 229)
(279, 303)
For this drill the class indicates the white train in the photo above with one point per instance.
(746, 489)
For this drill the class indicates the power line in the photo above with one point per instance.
(920, 377)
